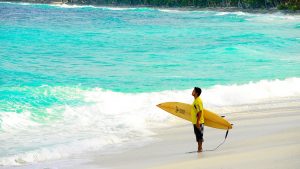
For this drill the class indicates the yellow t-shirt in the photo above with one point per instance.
(196, 107)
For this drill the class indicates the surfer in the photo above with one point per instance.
(198, 117)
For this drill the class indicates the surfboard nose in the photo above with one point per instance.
(159, 105)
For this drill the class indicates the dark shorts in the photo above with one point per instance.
(199, 132)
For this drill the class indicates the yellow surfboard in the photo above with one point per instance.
(183, 110)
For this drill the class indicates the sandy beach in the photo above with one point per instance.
(265, 135)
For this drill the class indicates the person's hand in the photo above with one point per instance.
(198, 125)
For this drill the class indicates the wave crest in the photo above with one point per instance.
(104, 118)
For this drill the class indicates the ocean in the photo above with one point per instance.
(77, 79)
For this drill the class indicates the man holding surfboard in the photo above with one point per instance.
(197, 117)
(196, 114)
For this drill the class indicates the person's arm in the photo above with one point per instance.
(198, 119)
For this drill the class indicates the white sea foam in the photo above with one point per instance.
(173, 11)
(252, 92)
(263, 18)
(72, 6)
(20, 3)
(278, 17)
(108, 119)
(91, 6)
(118, 8)
(233, 13)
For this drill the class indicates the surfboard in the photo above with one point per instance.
(183, 111)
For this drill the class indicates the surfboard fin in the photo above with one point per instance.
(226, 134)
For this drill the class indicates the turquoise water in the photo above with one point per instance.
(56, 58)
(141, 50)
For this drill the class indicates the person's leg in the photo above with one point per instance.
(197, 134)
(200, 146)
(200, 140)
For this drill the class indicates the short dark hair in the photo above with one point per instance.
(198, 90)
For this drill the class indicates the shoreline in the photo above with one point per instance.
(218, 9)
(265, 135)
(255, 133)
